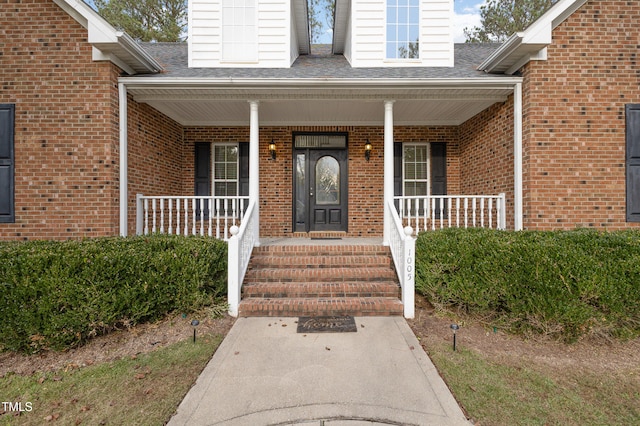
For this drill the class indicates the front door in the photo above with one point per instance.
(320, 190)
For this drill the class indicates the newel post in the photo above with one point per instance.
(233, 271)
(409, 268)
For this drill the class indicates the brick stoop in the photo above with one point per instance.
(319, 280)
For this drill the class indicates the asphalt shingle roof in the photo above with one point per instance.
(174, 58)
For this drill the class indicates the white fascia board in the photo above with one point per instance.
(504, 51)
(106, 39)
(380, 85)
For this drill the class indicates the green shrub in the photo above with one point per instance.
(59, 294)
(567, 284)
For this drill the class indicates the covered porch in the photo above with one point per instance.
(396, 180)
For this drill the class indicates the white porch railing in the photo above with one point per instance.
(403, 249)
(433, 212)
(240, 246)
(190, 215)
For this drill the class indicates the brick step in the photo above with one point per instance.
(311, 261)
(295, 307)
(321, 290)
(332, 274)
(323, 250)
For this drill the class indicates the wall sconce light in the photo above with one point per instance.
(272, 149)
(367, 150)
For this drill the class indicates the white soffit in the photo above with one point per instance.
(419, 106)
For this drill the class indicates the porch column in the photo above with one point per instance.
(517, 157)
(124, 177)
(388, 168)
(254, 164)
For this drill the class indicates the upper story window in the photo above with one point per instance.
(239, 31)
(403, 29)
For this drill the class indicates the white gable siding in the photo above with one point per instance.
(365, 47)
(274, 29)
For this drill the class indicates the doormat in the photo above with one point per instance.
(326, 238)
(327, 325)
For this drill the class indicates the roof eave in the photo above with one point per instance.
(530, 44)
(109, 43)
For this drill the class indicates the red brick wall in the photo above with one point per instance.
(365, 178)
(157, 156)
(65, 141)
(486, 154)
(574, 119)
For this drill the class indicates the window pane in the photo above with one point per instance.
(219, 171)
(410, 171)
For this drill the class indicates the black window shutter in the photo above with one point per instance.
(243, 176)
(397, 171)
(438, 168)
(202, 176)
(7, 207)
(203, 169)
(439, 173)
(633, 162)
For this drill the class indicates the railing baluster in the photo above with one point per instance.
(153, 218)
(473, 204)
(433, 214)
(193, 216)
(482, 212)
(161, 215)
(466, 212)
(146, 216)
(217, 218)
(491, 213)
(225, 231)
(200, 204)
(209, 217)
(186, 217)
(170, 202)
(449, 201)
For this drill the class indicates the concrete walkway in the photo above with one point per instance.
(265, 373)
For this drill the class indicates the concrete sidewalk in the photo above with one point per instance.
(265, 373)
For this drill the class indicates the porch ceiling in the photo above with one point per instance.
(218, 106)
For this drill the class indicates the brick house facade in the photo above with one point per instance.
(67, 125)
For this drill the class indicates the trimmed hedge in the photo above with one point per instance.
(567, 284)
(56, 295)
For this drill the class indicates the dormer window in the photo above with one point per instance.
(239, 31)
(403, 29)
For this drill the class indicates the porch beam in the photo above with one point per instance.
(123, 154)
(517, 158)
(254, 163)
(388, 170)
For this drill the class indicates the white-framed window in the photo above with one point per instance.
(415, 169)
(239, 31)
(403, 29)
(225, 169)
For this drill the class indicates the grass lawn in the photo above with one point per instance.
(495, 393)
(142, 390)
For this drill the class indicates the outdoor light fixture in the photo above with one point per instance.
(367, 150)
(272, 149)
(194, 323)
(454, 327)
